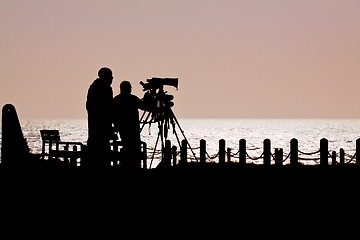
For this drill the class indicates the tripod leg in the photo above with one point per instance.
(161, 137)
(144, 121)
(173, 121)
(153, 154)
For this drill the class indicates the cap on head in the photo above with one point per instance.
(105, 72)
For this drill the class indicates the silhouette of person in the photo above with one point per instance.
(127, 123)
(99, 109)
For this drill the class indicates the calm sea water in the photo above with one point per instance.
(341, 133)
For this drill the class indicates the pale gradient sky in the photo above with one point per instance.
(233, 58)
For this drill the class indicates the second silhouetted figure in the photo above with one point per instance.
(127, 123)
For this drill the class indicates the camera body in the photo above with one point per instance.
(155, 99)
(156, 83)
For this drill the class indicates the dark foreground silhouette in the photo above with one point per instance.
(187, 201)
(306, 202)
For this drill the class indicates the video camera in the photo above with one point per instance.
(155, 99)
(156, 83)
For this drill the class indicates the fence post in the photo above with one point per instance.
(221, 151)
(294, 148)
(174, 154)
(167, 154)
(324, 152)
(267, 152)
(228, 154)
(278, 156)
(342, 156)
(242, 151)
(333, 158)
(183, 152)
(357, 152)
(202, 151)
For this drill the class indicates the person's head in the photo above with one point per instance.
(125, 87)
(105, 73)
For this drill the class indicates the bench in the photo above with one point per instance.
(55, 149)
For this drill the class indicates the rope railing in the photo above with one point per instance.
(277, 157)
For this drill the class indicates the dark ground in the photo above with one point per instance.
(193, 201)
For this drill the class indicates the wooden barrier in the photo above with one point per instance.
(224, 154)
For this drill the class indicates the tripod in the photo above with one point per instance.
(165, 118)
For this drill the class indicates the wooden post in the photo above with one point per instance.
(278, 156)
(267, 152)
(242, 151)
(342, 156)
(324, 152)
(294, 157)
(221, 151)
(183, 151)
(357, 152)
(167, 154)
(174, 154)
(333, 158)
(228, 154)
(202, 151)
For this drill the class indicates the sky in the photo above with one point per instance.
(232, 58)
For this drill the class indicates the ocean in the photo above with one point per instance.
(341, 133)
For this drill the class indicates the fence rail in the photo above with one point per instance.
(277, 157)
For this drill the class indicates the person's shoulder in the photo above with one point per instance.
(116, 97)
(134, 96)
(95, 83)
